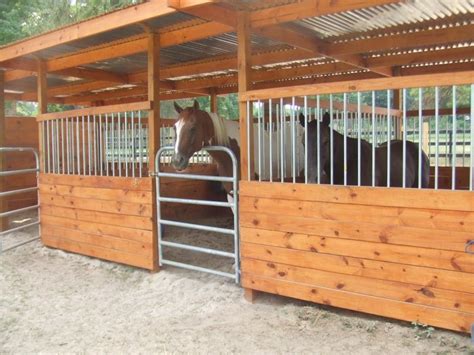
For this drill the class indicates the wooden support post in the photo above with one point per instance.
(214, 107)
(250, 295)
(42, 91)
(154, 124)
(3, 203)
(244, 67)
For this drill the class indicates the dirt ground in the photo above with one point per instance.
(56, 302)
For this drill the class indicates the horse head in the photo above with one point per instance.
(194, 130)
(313, 149)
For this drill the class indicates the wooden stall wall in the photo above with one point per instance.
(391, 252)
(104, 217)
(20, 132)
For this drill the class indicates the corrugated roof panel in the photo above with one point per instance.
(385, 16)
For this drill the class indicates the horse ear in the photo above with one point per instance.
(326, 119)
(178, 108)
(302, 120)
(196, 105)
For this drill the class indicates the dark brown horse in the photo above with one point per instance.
(381, 171)
(196, 129)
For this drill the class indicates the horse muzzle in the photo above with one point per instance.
(179, 162)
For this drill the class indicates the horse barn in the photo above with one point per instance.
(353, 183)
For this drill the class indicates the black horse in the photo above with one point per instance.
(396, 159)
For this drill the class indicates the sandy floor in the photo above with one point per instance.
(55, 302)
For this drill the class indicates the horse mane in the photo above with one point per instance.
(220, 130)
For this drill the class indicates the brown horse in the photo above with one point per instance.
(196, 129)
(381, 166)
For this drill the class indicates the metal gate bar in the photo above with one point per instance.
(234, 205)
(16, 192)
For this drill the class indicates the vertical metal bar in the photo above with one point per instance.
(107, 145)
(277, 131)
(113, 147)
(89, 145)
(374, 138)
(140, 146)
(293, 139)
(420, 133)
(344, 105)
(63, 165)
(259, 140)
(248, 140)
(126, 144)
(95, 155)
(359, 126)
(68, 150)
(78, 144)
(331, 140)
(270, 134)
(101, 146)
(389, 129)
(404, 148)
(83, 146)
(471, 141)
(133, 143)
(53, 147)
(48, 147)
(454, 144)
(282, 140)
(318, 138)
(119, 135)
(436, 137)
(264, 163)
(306, 119)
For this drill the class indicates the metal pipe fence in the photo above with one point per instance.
(3, 194)
(425, 142)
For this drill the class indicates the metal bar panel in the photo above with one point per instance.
(167, 222)
(101, 146)
(331, 140)
(454, 146)
(18, 191)
(195, 268)
(471, 142)
(68, 145)
(270, 138)
(437, 138)
(420, 133)
(359, 127)
(119, 144)
(344, 104)
(17, 172)
(389, 129)
(17, 211)
(404, 148)
(19, 228)
(195, 202)
(374, 137)
(196, 177)
(95, 154)
(197, 249)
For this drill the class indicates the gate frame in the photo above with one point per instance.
(233, 205)
(20, 191)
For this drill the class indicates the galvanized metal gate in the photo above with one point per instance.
(4, 194)
(234, 232)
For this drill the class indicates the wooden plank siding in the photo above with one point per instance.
(397, 253)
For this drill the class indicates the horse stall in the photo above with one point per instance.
(355, 183)
(400, 250)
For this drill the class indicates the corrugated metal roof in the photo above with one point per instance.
(385, 16)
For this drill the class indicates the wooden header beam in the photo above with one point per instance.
(413, 81)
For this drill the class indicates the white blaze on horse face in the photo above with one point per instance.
(178, 126)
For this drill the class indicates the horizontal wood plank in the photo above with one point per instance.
(376, 196)
(360, 222)
(98, 194)
(436, 258)
(139, 235)
(390, 216)
(102, 240)
(108, 182)
(382, 270)
(117, 207)
(135, 222)
(459, 321)
(404, 292)
(98, 252)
